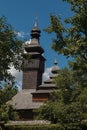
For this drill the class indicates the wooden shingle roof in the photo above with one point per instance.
(23, 100)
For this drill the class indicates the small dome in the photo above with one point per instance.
(55, 68)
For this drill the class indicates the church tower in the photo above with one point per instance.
(32, 73)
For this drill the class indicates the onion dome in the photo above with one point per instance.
(55, 68)
(35, 32)
(34, 46)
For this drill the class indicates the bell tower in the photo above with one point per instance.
(32, 73)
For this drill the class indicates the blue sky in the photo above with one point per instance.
(21, 14)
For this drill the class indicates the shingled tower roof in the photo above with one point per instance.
(34, 45)
(49, 85)
(55, 70)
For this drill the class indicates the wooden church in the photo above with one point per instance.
(34, 93)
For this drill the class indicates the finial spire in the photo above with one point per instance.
(55, 62)
(35, 32)
(36, 21)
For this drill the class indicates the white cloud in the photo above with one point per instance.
(20, 34)
(47, 73)
(28, 42)
(18, 77)
(16, 73)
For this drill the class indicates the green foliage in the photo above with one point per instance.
(11, 50)
(6, 93)
(7, 113)
(11, 54)
(72, 41)
(65, 79)
(34, 127)
(68, 105)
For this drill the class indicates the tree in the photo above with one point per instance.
(72, 41)
(11, 54)
(69, 104)
(7, 112)
(11, 50)
(7, 92)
